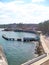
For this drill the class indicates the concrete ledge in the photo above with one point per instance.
(34, 60)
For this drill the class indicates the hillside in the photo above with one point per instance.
(19, 26)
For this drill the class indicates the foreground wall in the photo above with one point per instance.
(3, 60)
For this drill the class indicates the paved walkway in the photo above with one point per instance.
(45, 63)
(46, 49)
(47, 41)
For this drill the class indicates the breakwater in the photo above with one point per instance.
(29, 31)
(25, 39)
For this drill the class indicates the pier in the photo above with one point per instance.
(24, 39)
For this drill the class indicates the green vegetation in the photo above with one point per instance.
(44, 27)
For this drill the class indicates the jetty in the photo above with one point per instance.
(24, 39)
(3, 60)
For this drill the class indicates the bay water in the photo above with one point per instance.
(16, 52)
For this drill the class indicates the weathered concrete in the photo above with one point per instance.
(45, 63)
(34, 60)
(3, 60)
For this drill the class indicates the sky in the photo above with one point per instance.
(23, 11)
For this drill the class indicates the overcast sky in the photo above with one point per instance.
(23, 11)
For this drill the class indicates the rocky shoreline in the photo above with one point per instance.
(39, 49)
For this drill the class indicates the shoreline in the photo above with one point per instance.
(39, 49)
(42, 58)
(21, 30)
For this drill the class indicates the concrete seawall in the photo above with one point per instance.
(3, 60)
(34, 60)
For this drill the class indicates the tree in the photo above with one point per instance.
(44, 27)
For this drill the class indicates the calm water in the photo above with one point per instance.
(17, 52)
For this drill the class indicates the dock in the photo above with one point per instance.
(3, 60)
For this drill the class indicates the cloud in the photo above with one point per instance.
(19, 1)
(37, 1)
(27, 13)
